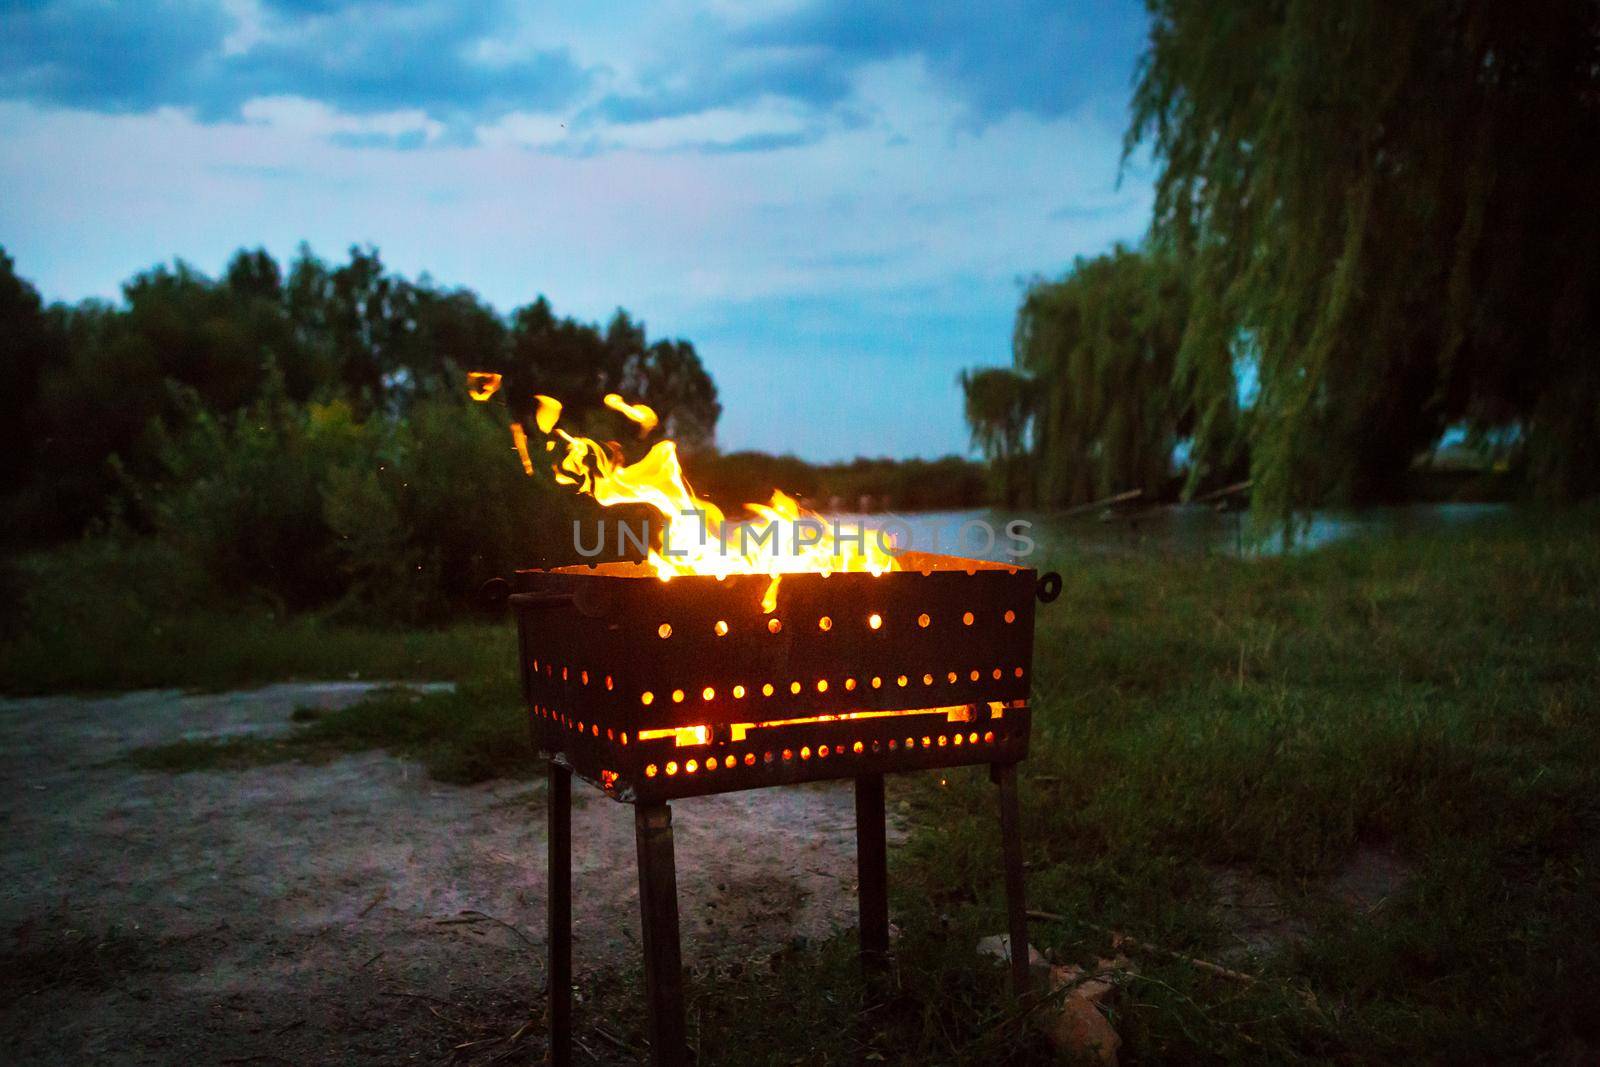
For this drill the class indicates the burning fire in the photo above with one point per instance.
(779, 537)
(482, 384)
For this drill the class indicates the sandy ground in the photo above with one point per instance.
(347, 912)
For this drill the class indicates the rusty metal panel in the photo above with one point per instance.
(612, 650)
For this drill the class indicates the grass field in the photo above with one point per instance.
(1225, 753)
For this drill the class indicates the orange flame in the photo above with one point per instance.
(547, 414)
(482, 384)
(519, 438)
(645, 417)
(780, 537)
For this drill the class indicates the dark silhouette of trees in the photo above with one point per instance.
(254, 274)
(1391, 207)
(29, 342)
(1373, 222)
(999, 410)
(89, 384)
(372, 318)
(579, 365)
(1103, 343)
(1097, 381)
(669, 376)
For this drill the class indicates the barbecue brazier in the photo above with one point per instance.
(654, 690)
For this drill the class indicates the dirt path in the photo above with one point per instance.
(314, 913)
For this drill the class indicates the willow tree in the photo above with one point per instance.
(1101, 344)
(999, 409)
(1389, 209)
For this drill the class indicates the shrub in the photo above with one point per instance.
(241, 495)
(394, 518)
(445, 507)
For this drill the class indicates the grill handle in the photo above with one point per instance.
(542, 600)
(1049, 587)
(496, 592)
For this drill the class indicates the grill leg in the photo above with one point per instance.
(658, 909)
(559, 803)
(1005, 776)
(873, 872)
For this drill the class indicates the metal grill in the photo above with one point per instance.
(655, 690)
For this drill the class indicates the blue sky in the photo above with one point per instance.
(836, 202)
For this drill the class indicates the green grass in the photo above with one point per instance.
(1434, 699)
(118, 615)
(1429, 698)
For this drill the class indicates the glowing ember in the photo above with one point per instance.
(483, 384)
(519, 438)
(779, 537)
(690, 736)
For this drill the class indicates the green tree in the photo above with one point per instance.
(578, 364)
(370, 318)
(1101, 344)
(254, 274)
(1391, 207)
(308, 301)
(97, 391)
(558, 357)
(999, 409)
(669, 376)
(455, 331)
(29, 343)
(117, 374)
(201, 334)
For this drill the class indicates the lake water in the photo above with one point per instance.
(1180, 529)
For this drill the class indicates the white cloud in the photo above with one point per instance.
(887, 250)
(522, 129)
(713, 128)
(767, 116)
(249, 26)
(300, 117)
